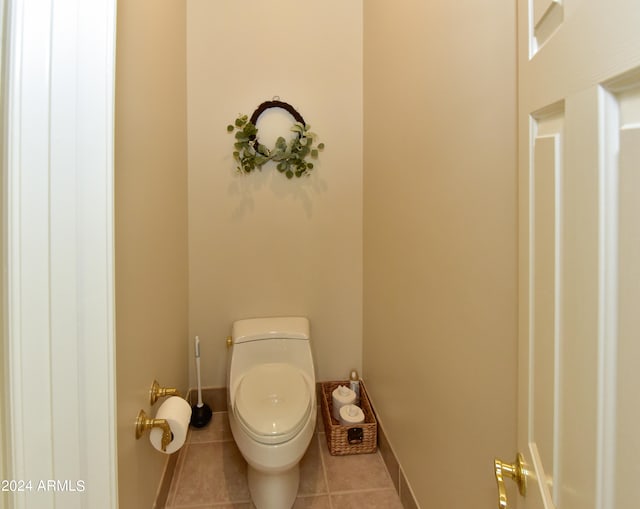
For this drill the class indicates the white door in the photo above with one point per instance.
(579, 192)
(57, 255)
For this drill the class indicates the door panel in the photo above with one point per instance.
(624, 246)
(546, 17)
(628, 443)
(579, 189)
(545, 289)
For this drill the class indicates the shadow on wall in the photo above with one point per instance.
(302, 189)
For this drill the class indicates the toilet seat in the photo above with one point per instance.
(273, 402)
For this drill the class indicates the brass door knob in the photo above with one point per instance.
(515, 471)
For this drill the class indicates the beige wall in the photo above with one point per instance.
(440, 240)
(260, 244)
(151, 227)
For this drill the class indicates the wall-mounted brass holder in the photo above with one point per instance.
(158, 392)
(143, 423)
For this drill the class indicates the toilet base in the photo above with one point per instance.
(274, 491)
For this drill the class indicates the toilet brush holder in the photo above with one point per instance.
(200, 412)
(200, 415)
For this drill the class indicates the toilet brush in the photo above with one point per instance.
(200, 413)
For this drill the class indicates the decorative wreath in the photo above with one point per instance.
(291, 156)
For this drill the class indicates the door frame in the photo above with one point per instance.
(58, 250)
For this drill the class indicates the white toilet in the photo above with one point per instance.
(272, 404)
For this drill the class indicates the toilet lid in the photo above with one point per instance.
(273, 402)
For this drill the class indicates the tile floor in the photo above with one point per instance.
(211, 474)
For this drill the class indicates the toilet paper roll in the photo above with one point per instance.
(351, 414)
(177, 413)
(341, 396)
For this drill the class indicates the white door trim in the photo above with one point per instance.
(60, 322)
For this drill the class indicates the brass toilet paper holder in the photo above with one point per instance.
(144, 423)
(158, 392)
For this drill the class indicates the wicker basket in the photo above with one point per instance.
(356, 439)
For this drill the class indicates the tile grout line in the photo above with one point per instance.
(324, 470)
(177, 476)
(362, 490)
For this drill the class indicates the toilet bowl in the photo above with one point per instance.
(272, 404)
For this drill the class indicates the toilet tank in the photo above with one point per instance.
(256, 329)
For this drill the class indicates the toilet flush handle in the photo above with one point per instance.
(229, 341)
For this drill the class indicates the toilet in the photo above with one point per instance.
(272, 404)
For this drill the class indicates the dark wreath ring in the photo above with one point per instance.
(276, 104)
(289, 156)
